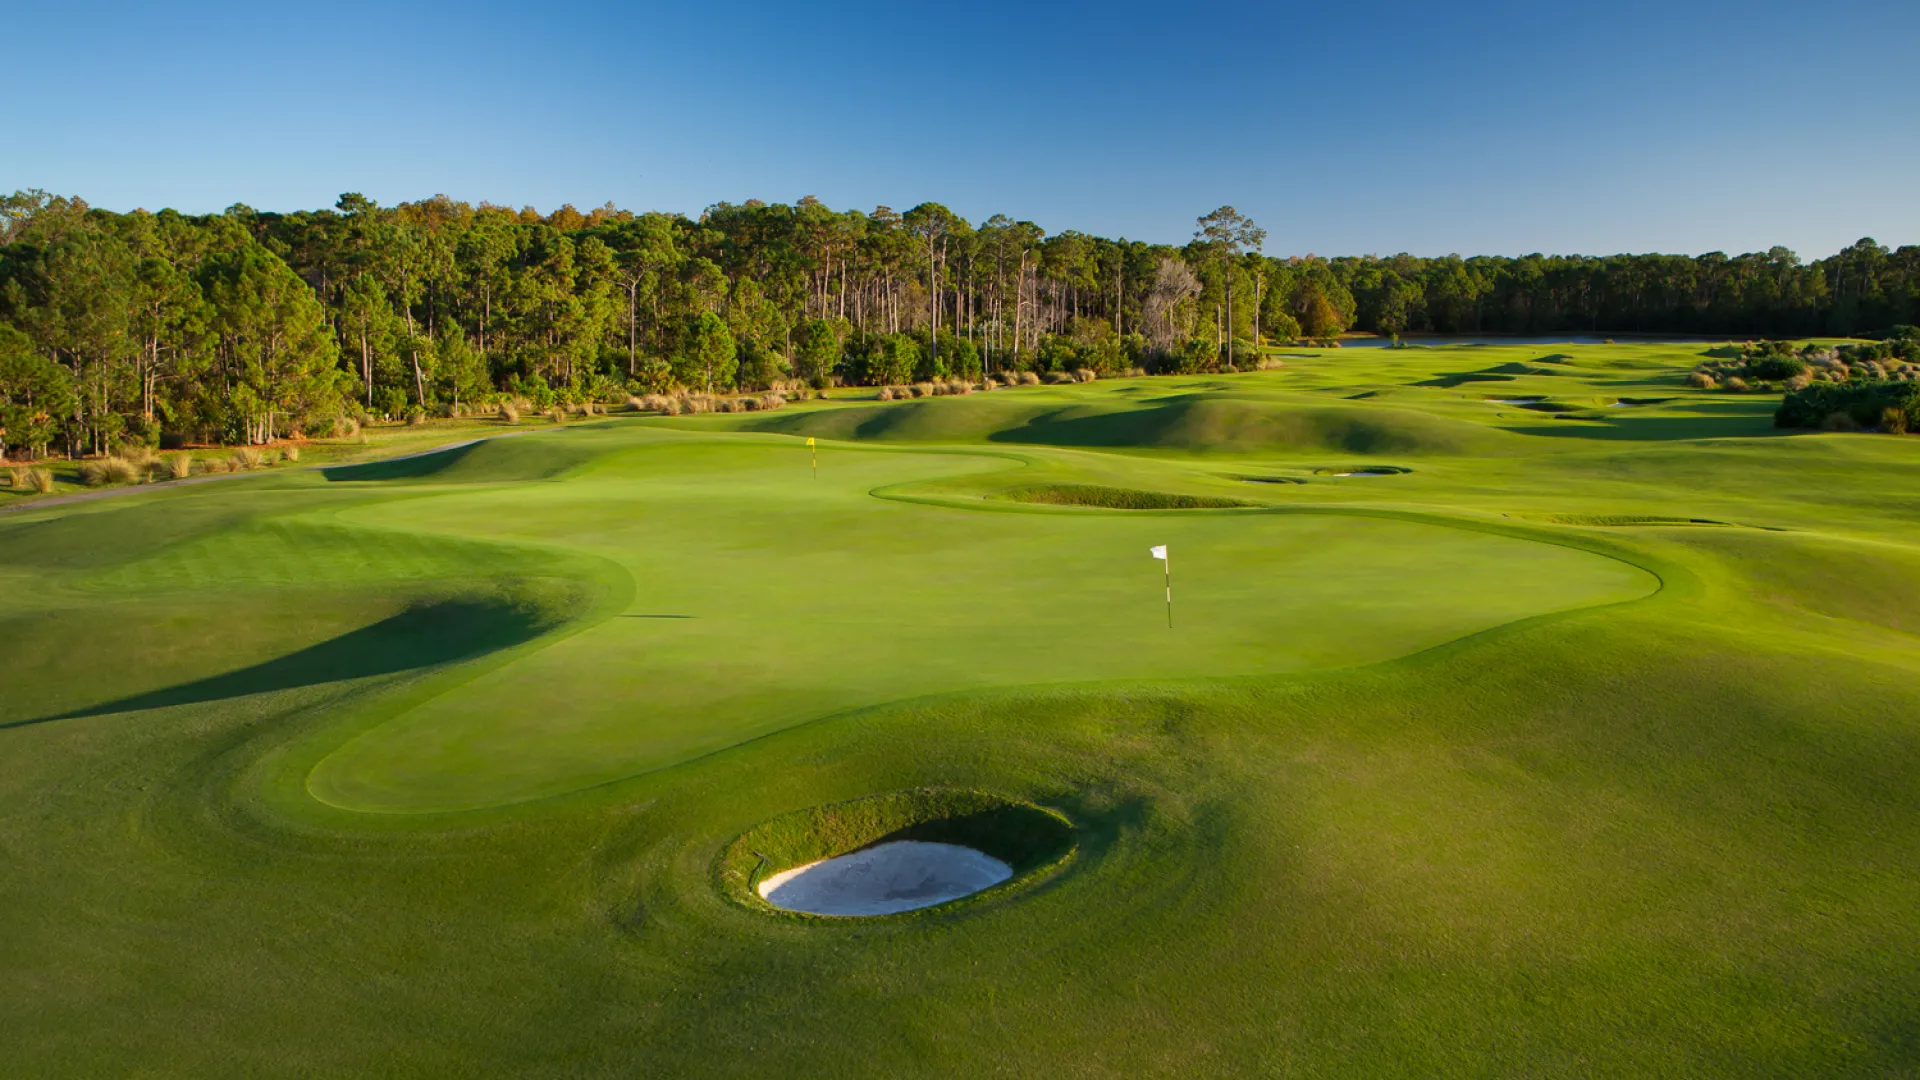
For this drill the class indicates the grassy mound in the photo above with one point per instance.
(1626, 520)
(1207, 422)
(488, 460)
(1028, 838)
(1113, 498)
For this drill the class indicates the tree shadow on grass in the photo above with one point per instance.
(428, 635)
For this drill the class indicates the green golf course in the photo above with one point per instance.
(1519, 711)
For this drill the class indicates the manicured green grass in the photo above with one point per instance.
(1555, 747)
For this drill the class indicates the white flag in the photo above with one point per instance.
(1160, 551)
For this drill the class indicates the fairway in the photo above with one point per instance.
(1485, 740)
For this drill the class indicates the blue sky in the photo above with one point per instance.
(1496, 128)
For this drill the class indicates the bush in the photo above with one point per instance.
(557, 414)
(1863, 403)
(1057, 378)
(1700, 380)
(508, 413)
(1893, 420)
(1776, 366)
(1084, 375)
(291, 453)
(180, 466)
(1735, 384)
(247, 458)
(1025, 378)
(1839, 421)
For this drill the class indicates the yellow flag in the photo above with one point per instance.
(809, 440)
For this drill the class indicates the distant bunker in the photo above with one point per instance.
(894, 853)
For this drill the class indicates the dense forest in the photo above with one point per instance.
(247, 326)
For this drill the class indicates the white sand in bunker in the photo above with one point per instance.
(897, 876)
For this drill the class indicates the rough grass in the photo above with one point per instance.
(1111, 498)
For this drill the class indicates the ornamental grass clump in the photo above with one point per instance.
(246, 457)
(40, 480)
(508, 413)
(100, 472)
(290, 453)
(1027, 378)
(1084, 374)
(180, 466)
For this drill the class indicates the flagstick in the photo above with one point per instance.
(1167, 564)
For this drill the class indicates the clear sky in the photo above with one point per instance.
(1343, 128)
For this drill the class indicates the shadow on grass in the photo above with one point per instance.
(1728, 425)
(410, 467)
(425, 636)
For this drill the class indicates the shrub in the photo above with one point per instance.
(1084, 375)
(180, 466)
(508, 413)
(1838, 421)
(41, 480)
(1776, 366)
(990, 384)
(557, 414)
(886, 393)
(1057, 378)
(1893, 420)
(1028, 378)
(17, 477)
(1735, 384)
(773, 400)
(1267, 363)
(416, 415)
(1864, 404)
(247, 457)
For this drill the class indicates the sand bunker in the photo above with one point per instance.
(900, 875)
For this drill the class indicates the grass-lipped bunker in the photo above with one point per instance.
(894, 853)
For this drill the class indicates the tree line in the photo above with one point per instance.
(248, 326)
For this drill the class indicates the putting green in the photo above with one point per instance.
(762, 598)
